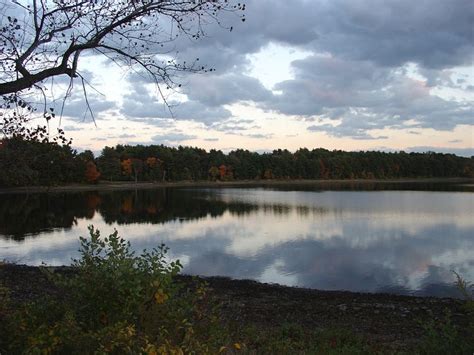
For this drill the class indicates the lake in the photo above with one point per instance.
(396, 238)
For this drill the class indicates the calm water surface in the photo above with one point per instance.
(382, 238)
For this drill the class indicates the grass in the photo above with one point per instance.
(443, 337)
(291, 338)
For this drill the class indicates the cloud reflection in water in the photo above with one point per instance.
(374, 241)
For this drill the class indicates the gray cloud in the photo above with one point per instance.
(125, 135)
(141, 105)
(158, 122)
(433, 34)
(342, 130)
(72, 128)
(77, 108)
(235, 126)
(218, 90)
(171, 138)
(357, 74)
(363, 96)
(258, 135)
(199, 112)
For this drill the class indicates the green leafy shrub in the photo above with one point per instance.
(443, 337)
(113, 301)
(467, 290)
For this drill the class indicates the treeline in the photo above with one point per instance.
(32, 163)
(157, 162)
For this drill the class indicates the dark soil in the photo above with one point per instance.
(391, 321)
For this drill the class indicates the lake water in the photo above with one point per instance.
(401, 238)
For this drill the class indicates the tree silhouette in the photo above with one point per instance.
(44, 39)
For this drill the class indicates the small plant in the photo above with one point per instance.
(467, 290)
(443, 337)
(115, 301)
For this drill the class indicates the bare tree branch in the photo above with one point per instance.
(63, 30)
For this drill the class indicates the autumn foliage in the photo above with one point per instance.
(92, 174)
(151, 162)
(126, 166)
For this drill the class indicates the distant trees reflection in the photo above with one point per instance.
(26, 215)
(23, 215)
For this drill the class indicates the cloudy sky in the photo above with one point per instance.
(337, 74)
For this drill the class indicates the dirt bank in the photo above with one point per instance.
(125, 185)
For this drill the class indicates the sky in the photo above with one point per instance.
(352, 75)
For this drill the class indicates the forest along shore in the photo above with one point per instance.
(127, 185)
(391, 321)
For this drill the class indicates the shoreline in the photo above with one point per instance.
(127, 185)
(392, 321)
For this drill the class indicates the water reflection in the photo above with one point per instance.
(376, 241)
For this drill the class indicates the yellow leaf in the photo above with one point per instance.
(130, 330)
(160, 296)
(237, 346)
(156, 283)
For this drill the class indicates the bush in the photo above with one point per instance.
(444, 337)
(116, 302)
